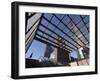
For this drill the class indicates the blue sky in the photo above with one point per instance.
(37, 48)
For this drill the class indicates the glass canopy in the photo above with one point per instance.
(67, 31)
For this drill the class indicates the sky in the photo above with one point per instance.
(37, 48)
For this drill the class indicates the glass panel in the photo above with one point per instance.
(74, 29)
(80, 25)
(55, 20)
(54, 35)
(50, 26)
(42, 28)
(83, 29)
(44, 22)
(46, 36)
(71, 25)
(70, 33)
(72, 16)
(66, 20)
(48, 16)
(78, 33)
(60, 16)
(85, 32)
(61, 26)
(40, 33)
(87, 25)
(57, 31)
(77, 19)
(83, 16)
(48, 32)
(86, 19)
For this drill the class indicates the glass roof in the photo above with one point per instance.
(66, 31)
